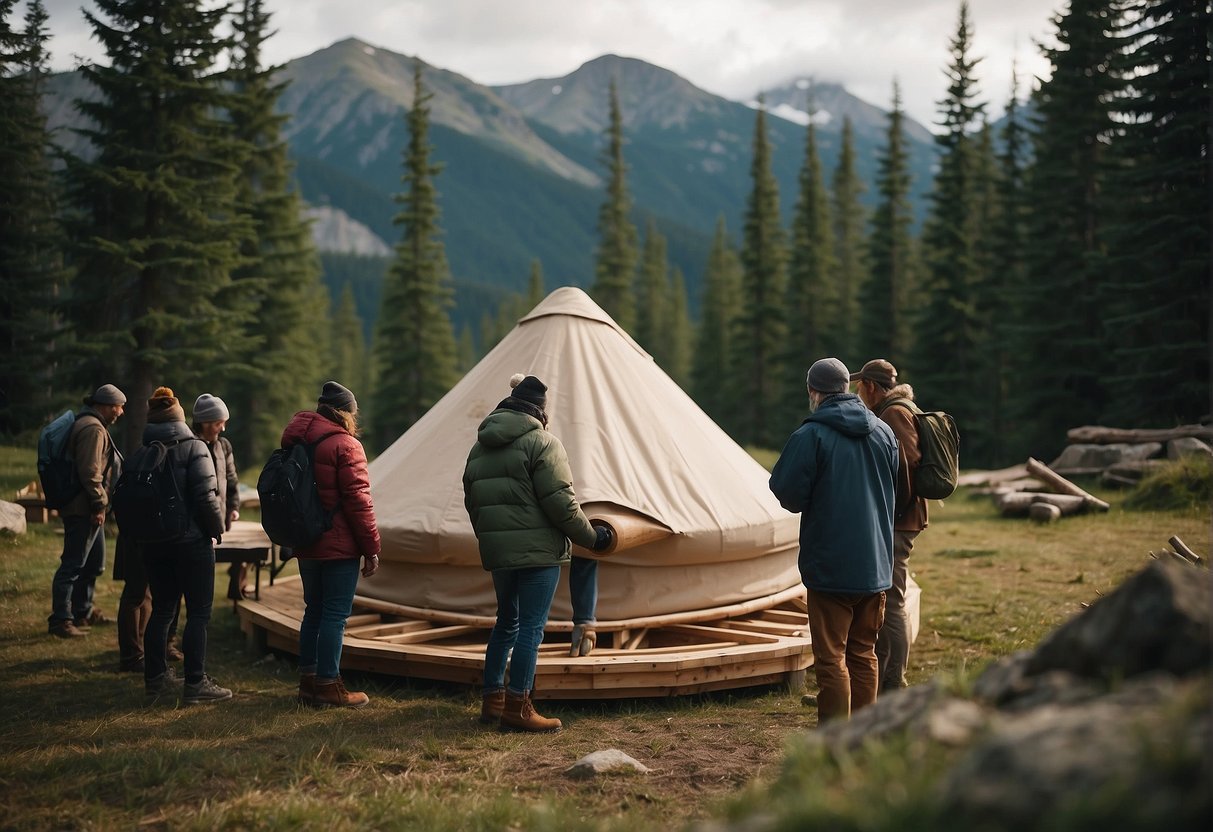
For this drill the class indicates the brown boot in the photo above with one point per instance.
(491, 707)
(331, 693)
(520, 715)
(583, 640)
(307, 689)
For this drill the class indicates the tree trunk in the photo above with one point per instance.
(1019, 503)
(1098, 435)
(1059, 483)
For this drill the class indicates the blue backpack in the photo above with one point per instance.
(56, 470)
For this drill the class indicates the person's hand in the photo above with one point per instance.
(605, 538)
(370, 565)
(98, 518)
(232, 516)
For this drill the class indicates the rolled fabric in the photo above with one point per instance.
(629, 529)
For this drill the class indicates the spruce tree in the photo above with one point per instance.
(850, 263)
(157, 230)
(1159, 237)
(615, 258)
(883, 317)
(811, 300)
(415, 343)
(759, 344)
(349, 358)
(31, 240)
(652, 287)
(280, 270)
(713, 354)
(1061, 345)
(678, 331)
(944, 363)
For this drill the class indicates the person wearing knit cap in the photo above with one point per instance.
(518, 492)
(837, 471)
(208, 422)
(893, 402)
(97, 467)
(185, 565)
(330, 567)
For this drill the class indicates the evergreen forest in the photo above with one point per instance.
(1060, 275)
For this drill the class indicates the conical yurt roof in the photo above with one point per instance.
(634, 439)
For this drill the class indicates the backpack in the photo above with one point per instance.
(56, 470)
(291, 512)
(148, 503)
(939, 442)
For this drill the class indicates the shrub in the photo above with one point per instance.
(1184, 483)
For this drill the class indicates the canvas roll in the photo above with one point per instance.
(629, 529)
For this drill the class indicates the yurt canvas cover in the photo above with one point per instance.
(635, 440)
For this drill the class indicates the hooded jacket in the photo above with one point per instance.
(838, 470)
(518, 492)
(98, 464)
(194, 471)
(339, 466)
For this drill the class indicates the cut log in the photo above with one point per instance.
(1062, 485)
(1185, 550)
(1099, 435)
(1111, 480)
(1018, 503)
(979, 478)
(1043, 512)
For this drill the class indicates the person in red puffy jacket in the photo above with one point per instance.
(330, 566)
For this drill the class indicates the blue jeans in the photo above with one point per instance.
(82, 562)
(328, 597)
(174, 570)
(524, 597)
(583, 589)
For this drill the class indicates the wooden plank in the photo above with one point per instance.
(392, 628)
(770, 627)
(635, 641)
(428, 634)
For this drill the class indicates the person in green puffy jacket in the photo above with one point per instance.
(518, 491)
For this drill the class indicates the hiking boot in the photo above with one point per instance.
(164, 685)
(331, 693)
(520, 715)
(81, 624)
(584, 639)
(97, 618)
(66, 629)
(307, 689)
(491, 707)
(198, 693)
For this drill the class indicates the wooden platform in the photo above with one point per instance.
(684, 653)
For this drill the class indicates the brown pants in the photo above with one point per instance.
(843, 629)
(893, 645)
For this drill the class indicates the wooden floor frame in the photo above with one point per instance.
(761, 642)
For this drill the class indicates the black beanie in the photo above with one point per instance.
(529, 389)
(338, 397)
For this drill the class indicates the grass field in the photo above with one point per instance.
(80, 751)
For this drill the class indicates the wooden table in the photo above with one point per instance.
(247, 542)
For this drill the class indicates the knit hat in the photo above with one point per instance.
(338, 397)
(879, 371)
(529, 389)
(210, 408)
(164, 407)
(106, 394)
(828, 375)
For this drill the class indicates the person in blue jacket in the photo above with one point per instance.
(838, 470)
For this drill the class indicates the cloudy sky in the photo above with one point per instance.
(730, 47)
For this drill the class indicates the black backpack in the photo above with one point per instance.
(939, 443)
(148, 503)
(291, 512)
(56, 470)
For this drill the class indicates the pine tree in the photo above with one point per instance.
(850, 263)
(157, 230)
(465, 350)
(760, 339)
(811, 300)
(945, 364)
(615, 259)
(280, 274)
(678, 331)
(349, 354)
(713, 345)
(883, 318)
(31, 240)
(415, 344)
(1160, 242)
(652, 287)
(1061, 345)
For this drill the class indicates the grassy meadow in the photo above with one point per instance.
(80, 750)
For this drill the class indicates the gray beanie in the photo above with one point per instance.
(106, 394)
(210, 408)
(337, 397)
(828, 375)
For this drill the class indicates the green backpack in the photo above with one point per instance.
(939, 442)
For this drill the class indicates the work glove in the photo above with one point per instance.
(605, 538)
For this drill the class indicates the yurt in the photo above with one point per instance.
(701, 590)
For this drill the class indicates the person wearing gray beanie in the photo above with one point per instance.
(209, 420)
(838, 471)
(208, 408)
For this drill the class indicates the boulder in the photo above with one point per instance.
(1098, 457)
(1187, 446)
(602, 762)
(12, 518)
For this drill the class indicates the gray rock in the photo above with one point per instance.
(12, 517)
(1088, 457)
(602, 762)
(1187, 446)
